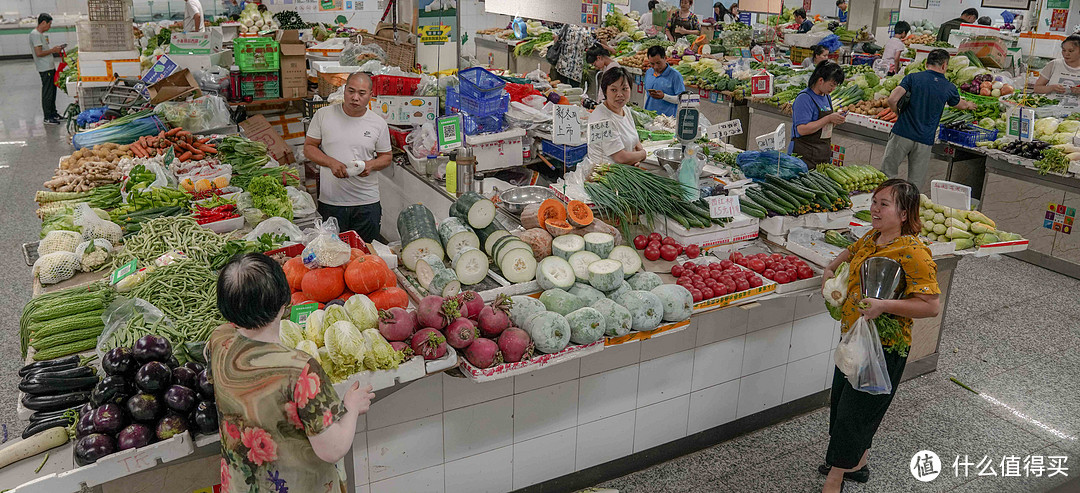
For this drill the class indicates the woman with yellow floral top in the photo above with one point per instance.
(854, 416)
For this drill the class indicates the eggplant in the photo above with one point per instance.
(55, 386)
(85, 425)
(194, 366)
(92, 447)
(48, 369)
(185, 376)
(134, 436)
(335, 302)
(54, 402)
(143, 407)
(109, 419)
(52, 414)
(119, 361)
(206, 384)
(113, 388)
(180, 399)
(86, 408)
(154, 376)
(152, 348)
(172, 362)
(62, 372)
(205, 417)
(172, 424)
(73, 359)
(45, 424)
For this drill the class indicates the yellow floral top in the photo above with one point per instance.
(914, 257)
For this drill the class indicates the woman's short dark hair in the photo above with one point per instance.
(799, 13)
(251, 290)
(653, 4)
(971, 11)
(985, 21)
(906, 196)
(1074, 38)
(817, 50)
(828, 71)
(902, 27)
(43, 17)
(595, 52)
(937, 58)
(613, 76)
(656, 50)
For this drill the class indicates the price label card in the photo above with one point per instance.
(450, 133)
(299, 313)
(723, 206)
(566, 126)
(601, 132)
(949, 194)
(714, 170)
(766, 142)
(123, 271)
(726, 129)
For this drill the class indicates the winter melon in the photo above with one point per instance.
(606, 274)
(566, 245)
(587, 293)
(617, 319)
(677, 300)
(559, 301)
(631, 262)
(645, 308)
(599, 243)
(523, 308)
(554, 272)
(645, 281)
(587, 325)
(581, 261)
(619, 291)
(550, 332)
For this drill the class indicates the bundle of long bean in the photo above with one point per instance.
(165, 234)
(625, 192)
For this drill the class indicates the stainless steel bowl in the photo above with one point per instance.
(882, 278)
(515, 199)
(670, 156)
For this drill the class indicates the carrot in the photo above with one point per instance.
(183, 133)
(198, 156)
(207, 149)
(204, 140)
(882, 113)
(174, 131)
(185, 156)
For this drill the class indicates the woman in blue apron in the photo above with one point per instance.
(813, 116)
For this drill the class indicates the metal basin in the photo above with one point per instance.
(669, 156)
(515, 199)
(882, 278)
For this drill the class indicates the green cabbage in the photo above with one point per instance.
(290, 333)
(381, 355)
(871, 79)
(362, 311)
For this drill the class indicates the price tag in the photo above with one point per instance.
(123, 271)
(949, 194)
(449, 133)
(723, 206)
(299, 313)
(600, 132)
(726, 129)
(566, 127)
(714, 170)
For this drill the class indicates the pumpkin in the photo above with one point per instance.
(346, 295)
(355, 253)
(299, 298)
(558, 227)
(367, 273)
(294, 272)
(323, 284)
(578, 214)
(389, 297)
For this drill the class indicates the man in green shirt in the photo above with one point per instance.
(966, 17)
(43, 61)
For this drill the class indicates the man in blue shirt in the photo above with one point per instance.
(799, 15)
(663, 83)
(842, 6)
(917, 124)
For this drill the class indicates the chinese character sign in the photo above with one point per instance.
(566, 126)
(601, 132)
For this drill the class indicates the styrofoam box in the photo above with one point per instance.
(741, 228)
(780, 225)
(95, 66)
(498, 150)
(804, 40)
(802, 284)
(861, 201)
(828, 220)
(225, 226)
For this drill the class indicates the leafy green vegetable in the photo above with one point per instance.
(269, 196)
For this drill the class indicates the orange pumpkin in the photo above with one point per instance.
(294, 272)
(346, 295)
(368, 273)
(387, 298)
(299, 298)
(324, 284)
(354, 253)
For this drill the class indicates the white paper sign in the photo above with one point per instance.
(723, 205)
(774, 140)
(949, 194)
(566, 127)
(601, 131)
(725, 129)
(714, 170)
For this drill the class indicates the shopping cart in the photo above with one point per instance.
(124, 95)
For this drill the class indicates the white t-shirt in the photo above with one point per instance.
(625, 133)
(1057, 72)
(44, 63)
(192, 7)
(892, 47)
(348, 138)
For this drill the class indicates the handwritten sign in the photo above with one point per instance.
(601, 132)
(773, 140)
(566, 127)
(725, 129)
(949, 194)
(723, 206)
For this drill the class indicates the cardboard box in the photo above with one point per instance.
(203, 43)
(405, 110)
(203, 62)
(293, 64)
(991, 50)
(104, 66)
(257, 128)
(178, 85)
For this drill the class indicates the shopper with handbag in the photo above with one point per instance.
(854, 415)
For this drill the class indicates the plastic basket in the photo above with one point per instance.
(256, 54)
(261, 85)
(349, 237)
(478, 83)
(394, 85)
(110, 10)
(90, 97)
(863, 59)
(105, 35)
(798, 54)
(311, 106)
(969, 137)
(569, 155)
(494, 104)
(482, 125)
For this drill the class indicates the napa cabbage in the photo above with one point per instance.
(362, 311)
(316, 328)
(290, 333)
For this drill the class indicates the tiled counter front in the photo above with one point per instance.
(449, 434)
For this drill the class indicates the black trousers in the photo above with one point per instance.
(364, 219)
(48, 94)
(854, 416)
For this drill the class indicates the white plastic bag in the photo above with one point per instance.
(277, 226)
(324, 248)
(302, 203)
(423, 141)
(198, 115)
(861, 359)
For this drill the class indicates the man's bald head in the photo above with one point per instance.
(357, 94)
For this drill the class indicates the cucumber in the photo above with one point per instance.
(764, 201)
(475, 209)
(566, 245)
(599, 243)
(797, 201)
(791, 208)
(580, 261)
(555, 272)
(518, 265)
(606, 274)
(748, 207)
(455, 234)
(628, 257)
(419, 235)
(471, 265)
(788, 187)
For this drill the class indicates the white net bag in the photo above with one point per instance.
(94, 253)
(94, 227)
(56, 267)
(59, 241)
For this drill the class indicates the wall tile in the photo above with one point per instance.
(766, 348)
(663, 378)
(489, 472)
(661, 422)
(605, 440)
(810, 336)
(405, 447)
(718, 362)
(479, 428)
(461, 392)
(666, 344)
(428, 480)
(420, 398)
(713, 406)
(549, 375)
(607, 394)
(804, 376)
(769, 313)
(809, 305)
(719, 325)
(360, 459)
(545, 411)
(610, 358)
(761, 391)
(543, 458)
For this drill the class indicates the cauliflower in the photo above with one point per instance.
(835, 290)
(94, 253)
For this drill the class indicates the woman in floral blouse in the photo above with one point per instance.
(282, 425)
(683, 22)
(854, 415)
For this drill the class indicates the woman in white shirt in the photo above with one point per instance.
(623, 147)
(895, 46)
(1062, 75)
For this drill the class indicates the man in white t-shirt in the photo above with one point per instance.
(193, 16)
(42, 54)
(350, 144)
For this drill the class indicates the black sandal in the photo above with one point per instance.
(860, 476)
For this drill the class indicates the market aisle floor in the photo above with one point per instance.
(1010, 333)
(29, 151)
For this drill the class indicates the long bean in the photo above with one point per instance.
(165, 234)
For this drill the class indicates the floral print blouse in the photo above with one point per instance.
(914, 257)
(270, 399)
(690, 23)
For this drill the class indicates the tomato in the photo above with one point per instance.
(792, 258)
(735, 256)
(700, 285)
(769, 273)
(693, 251)
(769, 264)
(726, 263)
(676, 270)
(685, 282)
(669, 252)
(654, 244)
(652, 253)
(762, 256)
(800, 264)
(688, 265)
(742, 285)
(680, 248)
(804, 272)
(724, 279)
(793, 274)
(782, 266)
(755, 282)
(782, 277)
(720, 290)
(641, 241)
(697, 294)
(731, 286)
(712, 283)
(742, 261)
(696, 278)
(669, 241)
(716, 275)
(777, 257)
(757, 265)
(707, 293)
(655, 237)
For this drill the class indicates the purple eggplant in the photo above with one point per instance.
(194, 366)
(144, 407)
(92, 447)
(119, 361)
(134, 436)
(181, 399)
(152, 348)
(113, 388)
(85, 425)
(182, 375)
(172, 424)
(206, 384)
(205, 417)
(86, 409)
(109, 419)
(153, 377)
(172, 362)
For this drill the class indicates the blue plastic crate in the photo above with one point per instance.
(496, 104)
(863, 59)
(969, 137)
(569, 155)
(481, 125)
(478, 83)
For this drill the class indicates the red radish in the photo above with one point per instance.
(403, 348)
(428, 343)
(483, 353)
(461, 333)
(515, 345)
(494, 318)
(429, 312)
(397, 324)
(473, 303)
(454, 307)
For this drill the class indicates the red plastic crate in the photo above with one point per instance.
(349, 237)
(397, 137)
(394, 85)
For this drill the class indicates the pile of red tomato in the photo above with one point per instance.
(775, 267)
(715, 279)
(657, 246)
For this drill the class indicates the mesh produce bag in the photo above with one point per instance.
(59, 241)
(94, 227)
(56, 267)
(94, 253)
